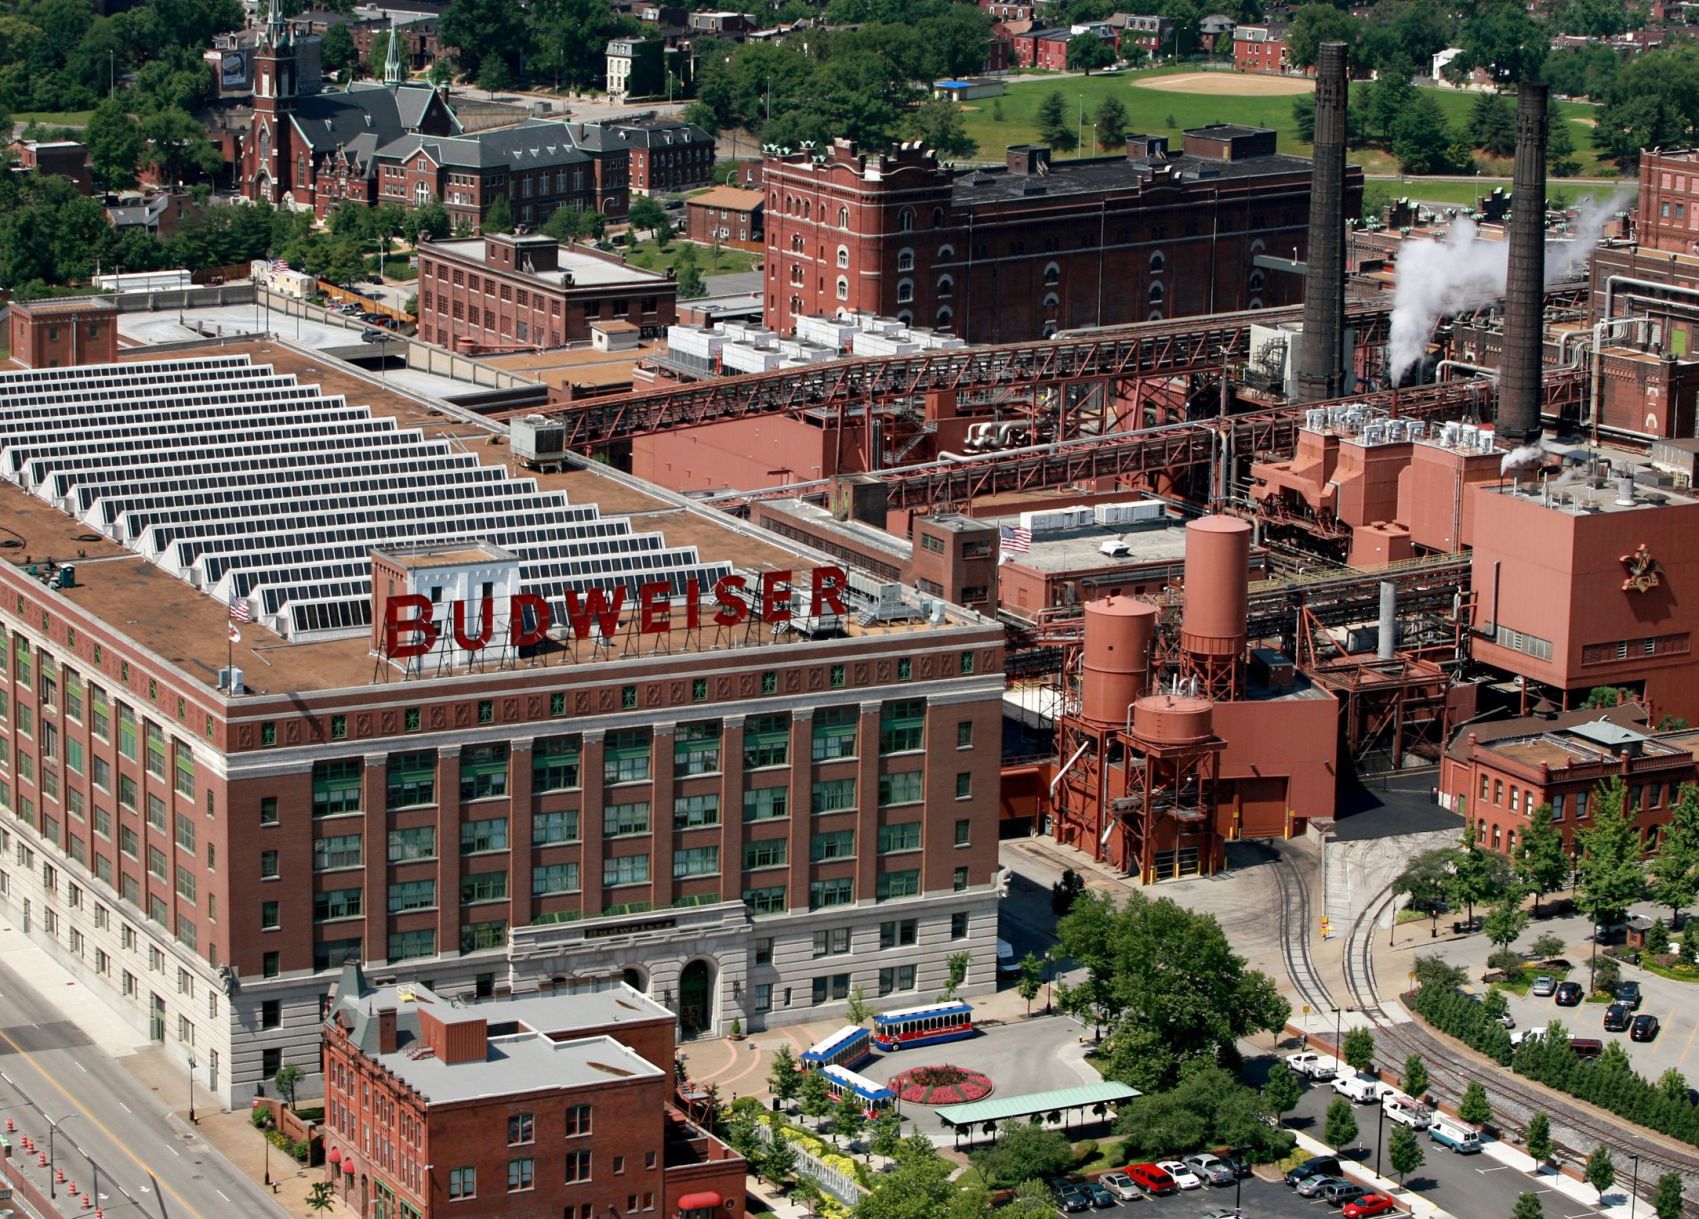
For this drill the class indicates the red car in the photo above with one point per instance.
(1369, 1205)
(1152, 1179)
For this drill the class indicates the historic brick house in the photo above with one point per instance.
(316, 151)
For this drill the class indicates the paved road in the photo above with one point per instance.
(150, 1163)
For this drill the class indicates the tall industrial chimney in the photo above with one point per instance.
(1321, 358)
(1524, 305)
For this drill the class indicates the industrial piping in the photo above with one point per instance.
(1525, 300)
(1321, 357)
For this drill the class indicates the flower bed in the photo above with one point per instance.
(945, 1085)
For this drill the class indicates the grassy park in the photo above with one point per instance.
(1159, 104)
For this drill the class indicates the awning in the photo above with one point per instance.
(335, 1156)
(348, 1166)
(701, 1200)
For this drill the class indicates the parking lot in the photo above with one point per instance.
(1673, 1003)
(1260, 1200)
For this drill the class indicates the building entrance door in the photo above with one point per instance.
(695, 998)
(156, 1022)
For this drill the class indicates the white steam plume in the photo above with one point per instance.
(1462, 271)
(1524, 458)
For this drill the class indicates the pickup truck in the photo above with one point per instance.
(1361, 1089)
(1407, 1112)
(1311, 1065)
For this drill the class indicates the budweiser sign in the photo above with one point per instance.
(409, 628)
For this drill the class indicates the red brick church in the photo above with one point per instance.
(317, 150)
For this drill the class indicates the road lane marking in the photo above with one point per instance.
(82, 1068)
(1686, 1049)
(222, 1194)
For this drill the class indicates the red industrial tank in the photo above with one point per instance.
(1173, 719)
(1118, 635)
(1218, 553)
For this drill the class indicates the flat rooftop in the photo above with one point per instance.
(187, 627)
(855, 532)
(1110, 175)
(520, 1063)
(1579, 498)
(1059, 551)
(586, 270)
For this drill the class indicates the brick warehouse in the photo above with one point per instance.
(514, 1109)
(205, 854)
(1037, 245)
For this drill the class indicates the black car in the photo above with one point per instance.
(1644, 1028)
(1629, 995)
(1239, 1166)
(1098, 1195)
(1617, 1017)
(1568, 994)
(1071, 1198)
(1315, 1165)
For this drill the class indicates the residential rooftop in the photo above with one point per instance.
(576, 269)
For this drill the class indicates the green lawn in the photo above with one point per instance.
(650, 257)
(54, 118)
(1445, 190)
(1155, 112)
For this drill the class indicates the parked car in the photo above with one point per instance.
(1341, 1192)
(1629, 995)
(1406, 1111)
(1521, 1035)
(1098, 1195)
(1184, 1177)
(1311, 1065)
(1212, 1170)
(1315, 1166)
(1644, 1028)
(1311, 1187)
(1586, 1047)
(1617, 1016)
(1070, 1198)
(1151, 1179)
(1239, 1164)
(1370, 1205)
(1120, 1184)
(1362, 1089)
(372, 335)
(1455, 1133)
(1544, 985)
(1568, 994)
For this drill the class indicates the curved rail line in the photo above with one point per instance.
(1295, 935)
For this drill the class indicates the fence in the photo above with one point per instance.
(832, 1182)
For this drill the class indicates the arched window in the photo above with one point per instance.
(1156, 294)
(843, 217)
(1257, 247)
(843, 288)
(945, 317)
(1256, 281)
(905, 220)
(945, 253)
(1052, 275)
(796, 275)
(843, 257)
(796, 244)
(937, 217)
(1051, 300)
(906, 318)
(807, 209)
(1049, 330)
(1157, 263)
(905, 260)
(905, 291)
(946, 288)
(1155, 315)
(421, 194)
(1254, 303)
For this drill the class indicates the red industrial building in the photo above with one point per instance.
(531, 1107)
(1261, 48)
(57, 332)
(59, 158)
(1036, 245)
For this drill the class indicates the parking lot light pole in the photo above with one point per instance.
(1380, 1133)
(1634, 1190)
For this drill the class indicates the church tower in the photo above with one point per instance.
(393, 73)
(268, 166)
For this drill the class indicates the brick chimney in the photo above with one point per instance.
(386, 1031)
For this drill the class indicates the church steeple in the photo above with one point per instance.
(392, 70)
(274, 62)
(276, 34)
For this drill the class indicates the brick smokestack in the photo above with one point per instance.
(1321, 358)
(1525, 299)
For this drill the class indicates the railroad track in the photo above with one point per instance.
(1295, 925)
(1576, 1127)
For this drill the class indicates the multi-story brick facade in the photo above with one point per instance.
(1035, 246)
(1668, 215)
(520, 1108)
(507, 290)
(204, 855)
(1261, 48)
(58, 332)
(727, 214)
(665, 154)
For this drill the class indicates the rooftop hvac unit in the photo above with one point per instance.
(1115, 548)
(1132, 512)
(538, 440)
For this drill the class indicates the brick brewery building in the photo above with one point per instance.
(520, 1108)
(516, 290)
(1037, 245)
(742, 816)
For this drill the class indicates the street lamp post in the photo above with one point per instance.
(191, 1087)
(52, 1163)
(1380, 1134)
(1634, 1190)
(265, 1137)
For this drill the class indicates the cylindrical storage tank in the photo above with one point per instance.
(1118, 636)
(1218, 557)
(1173, 719)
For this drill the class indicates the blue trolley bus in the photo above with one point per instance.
(873, 1096)
(848, 1048)
(922, 1025)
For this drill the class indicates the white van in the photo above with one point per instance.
(1362, 1089)
(1521, 1035)
(1407, 1112)
(1007, 966)
(1456, 1134)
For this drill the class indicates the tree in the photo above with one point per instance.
(959, 964)
(1506, 921)
(1601, 1170)
(1474, 1108)
(1032, 1200)
(778, 1160)
(1415, 1077)
(646, 213)
(337, 52)
(499, 219)
(1032, 979)
(783, 1078)
(570, 37)
(1405, 1152)
(1539, 1139)
(322, 1196)
(1492, 127)
(919, 1187)
(1387, 99)
(1527, 1207)
(1652, 102)
(1667, 1202)
(1501, 37)
(938, 125)
(378, 56)
(483, 33)
(848, 1117)
(1055, 128)
(1110, 118)
(1657, 940)
(859, 1009)
(1612, 876)
(1359, 1050)
(1560, 146)
(815, 1095)
(285, 1081)
(1426, 879)
(1542, 866)
(114, 145)
(1675, 868)
(1607, 976)
(886, 1133)
(1477, 876)
(1315, 24)
(1340, 1128)
(1547, 945)
(1023, 1150)
(1420, 139)
(177, 146)
(1282, 1091)
(1067, 890)
(1088, 51)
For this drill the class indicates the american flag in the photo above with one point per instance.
(280, 264)
(240, 610)
(1016, 539)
